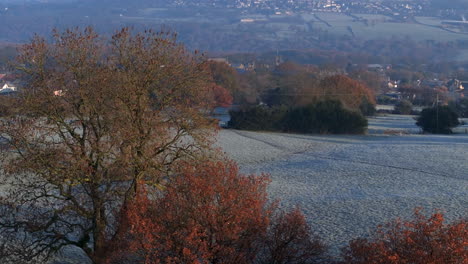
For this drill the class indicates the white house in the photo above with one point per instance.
(7, 88)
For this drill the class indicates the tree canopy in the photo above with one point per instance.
(95, 116)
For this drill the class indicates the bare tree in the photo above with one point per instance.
(96, 116)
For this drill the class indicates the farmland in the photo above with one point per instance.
(230, 30)
(377, 26)
(349, 184)
(251, 32)
(366, 26)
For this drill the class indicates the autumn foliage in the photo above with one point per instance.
(94, 116)
(419, 241)
(211, 214)
(289, 240)
(350, 92)
(222, 97)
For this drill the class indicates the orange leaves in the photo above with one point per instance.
(348, 91)
(289, 240)
(212, 214)
(419, 241)
(209, 213)
(102, 111)
(222, 96)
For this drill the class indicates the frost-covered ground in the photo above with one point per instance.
(347, 185)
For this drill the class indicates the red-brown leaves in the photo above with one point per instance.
(289, 240)
(222, 96)
(209, 214)
(419, 241)
(348, 91)
(95, 113)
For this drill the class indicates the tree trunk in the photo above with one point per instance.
(99, 233)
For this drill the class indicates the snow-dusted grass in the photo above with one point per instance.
(403, 123)
(387, 123)
(347, 185)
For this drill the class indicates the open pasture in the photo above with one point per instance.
(347, 185)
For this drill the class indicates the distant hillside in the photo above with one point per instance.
(452, 4)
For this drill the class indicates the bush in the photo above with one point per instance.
(438, 120)
(325, 117)
(419, 241)
(259, 117)
(289, 241)
(403, 107)
(367, 108)
(212, 214)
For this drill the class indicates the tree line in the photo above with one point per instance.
(297, 98)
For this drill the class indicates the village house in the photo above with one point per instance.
(457, 89)
(7, 88)
(454, 85)
(463, 92)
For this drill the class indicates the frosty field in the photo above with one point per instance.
(347, 185)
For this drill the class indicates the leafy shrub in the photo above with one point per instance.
(367, 108)
(403, 107)
(259, 117)
(212, 214)
(289, 241)
(438, 120)
(419, 241)
(325, 117)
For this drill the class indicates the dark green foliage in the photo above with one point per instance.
(279, 97)
(259, 117)
(367, 108)
(384, 99)
(404, 107)
(438, 120)
(324, 117)
(461, 107)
